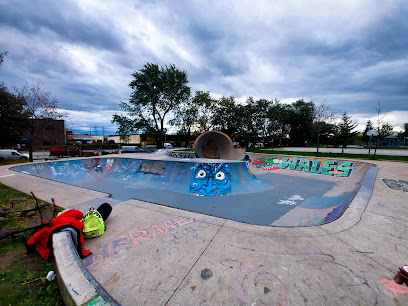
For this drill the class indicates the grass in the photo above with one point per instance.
(22, 276)
(324, 154)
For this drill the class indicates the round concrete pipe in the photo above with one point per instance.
(215, 144)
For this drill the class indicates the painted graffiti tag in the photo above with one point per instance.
(182, 154)
(396, 184)
(318, 166)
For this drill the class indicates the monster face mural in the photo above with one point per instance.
(211, 180)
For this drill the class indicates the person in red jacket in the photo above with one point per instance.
(69, 220)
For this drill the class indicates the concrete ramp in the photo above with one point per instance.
(297, 193)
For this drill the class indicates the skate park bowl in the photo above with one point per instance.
(268, 191)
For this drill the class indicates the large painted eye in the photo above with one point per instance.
(220, 175)
(201, 174)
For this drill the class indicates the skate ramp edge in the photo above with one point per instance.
(77, 285)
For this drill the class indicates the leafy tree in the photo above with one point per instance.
(206, 110)
(38, 104)
(192, 116)
(405, 133)
(13, 117)
(345, 130)
(385, 130)
(156, 93)
(299, 117)
(369, 127)
(225, 116)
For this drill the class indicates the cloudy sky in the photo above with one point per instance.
(353, 54)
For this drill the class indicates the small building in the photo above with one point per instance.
(46, 132)
(133, 139)
(83, 138)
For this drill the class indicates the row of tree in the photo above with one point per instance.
(161, 96)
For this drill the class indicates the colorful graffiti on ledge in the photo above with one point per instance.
(210, 180)
(319, 166)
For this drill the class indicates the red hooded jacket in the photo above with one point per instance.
(43, 237)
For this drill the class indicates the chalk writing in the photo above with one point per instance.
(181, 233)
(392, 286)
(139, 237)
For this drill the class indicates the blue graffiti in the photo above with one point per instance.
(211, 180)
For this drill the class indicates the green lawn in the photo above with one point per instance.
(22, 276)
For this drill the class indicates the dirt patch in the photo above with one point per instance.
(7, 259)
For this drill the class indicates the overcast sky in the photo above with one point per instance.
(351, 53)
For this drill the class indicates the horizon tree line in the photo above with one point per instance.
(161, 94)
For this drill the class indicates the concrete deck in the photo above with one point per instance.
(157, 255)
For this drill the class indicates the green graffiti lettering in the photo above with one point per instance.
(315, 166)
(287, 161)
(304, 164)
(328, 167)
(344, 169)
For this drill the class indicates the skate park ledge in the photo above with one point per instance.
(77, 285)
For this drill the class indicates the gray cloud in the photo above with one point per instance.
(352, 53)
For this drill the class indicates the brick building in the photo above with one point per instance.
(47, 132)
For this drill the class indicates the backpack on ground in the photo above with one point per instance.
(94, 226)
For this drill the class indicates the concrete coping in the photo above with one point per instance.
(76, 284)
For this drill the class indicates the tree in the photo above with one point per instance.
(13, 118)
(38, 104)
(369, 127)
(190, 114)
(225, 116)
(323, 116)
(156, 93)
(299, 117)
(345, 130)
(383, 128)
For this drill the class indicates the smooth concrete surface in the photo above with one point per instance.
(157, 255)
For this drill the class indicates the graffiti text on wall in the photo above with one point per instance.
(396, 184)
(182, 154)
(319, 166)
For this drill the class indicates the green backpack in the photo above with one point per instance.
(94, 226)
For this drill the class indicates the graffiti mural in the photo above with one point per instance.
(210, 180)
(267, 163)
(396, 184)
(182, 154)
(319, 166)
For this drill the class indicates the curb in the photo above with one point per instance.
(76, 284)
